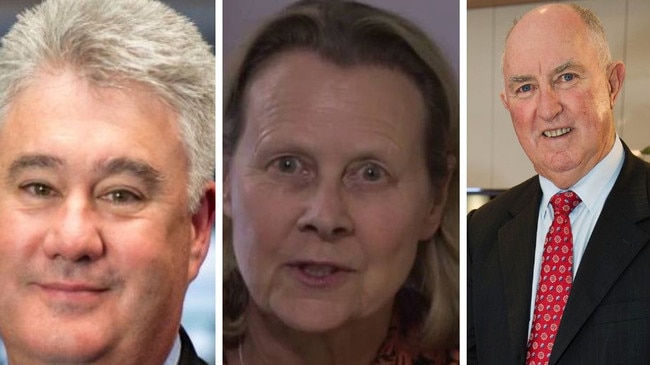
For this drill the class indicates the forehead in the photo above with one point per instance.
(300, 82)
(63, 115)
(547, 37)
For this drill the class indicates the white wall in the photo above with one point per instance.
(494, 157)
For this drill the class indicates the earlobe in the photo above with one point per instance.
(616, 77)
(202, 222)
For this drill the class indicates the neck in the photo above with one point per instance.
(269, 341)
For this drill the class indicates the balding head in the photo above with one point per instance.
(562, 18)
(560, 90)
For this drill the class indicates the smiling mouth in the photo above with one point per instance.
(556, 132)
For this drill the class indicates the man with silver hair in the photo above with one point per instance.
(106, 181)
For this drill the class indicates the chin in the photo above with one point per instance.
(312, 315)
(68, 343)
(68, 351)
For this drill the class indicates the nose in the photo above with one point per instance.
(549, 104)
(326, 213)
(74, 234)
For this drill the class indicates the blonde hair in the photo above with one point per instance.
(349, 34)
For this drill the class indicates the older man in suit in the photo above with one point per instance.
(106, 181)
(559, 266)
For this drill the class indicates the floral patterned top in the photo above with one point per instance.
(395, 350)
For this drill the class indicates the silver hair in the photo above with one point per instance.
(115, 43)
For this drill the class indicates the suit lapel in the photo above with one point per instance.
(188, 354)
(516, 259)
(614, 243)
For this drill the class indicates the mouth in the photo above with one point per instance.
(71, 295)
(554, 133)
(71, 287)
(319, 274)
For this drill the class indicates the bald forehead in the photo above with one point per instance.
(558, 22)
(558, 18)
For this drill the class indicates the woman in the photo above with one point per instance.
(340, 193)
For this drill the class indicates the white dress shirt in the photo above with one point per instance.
(593, 190)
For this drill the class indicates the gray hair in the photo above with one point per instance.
(596, 33)
(114, 43)
(349, 34)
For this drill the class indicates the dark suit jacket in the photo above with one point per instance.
(188, 355)
(606, 318)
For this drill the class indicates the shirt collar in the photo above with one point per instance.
(175, 353)
(591, 187)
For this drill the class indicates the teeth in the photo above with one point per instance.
(557, 132)
(318, 271)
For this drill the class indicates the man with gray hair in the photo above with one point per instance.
(106, 181)
(559, 265)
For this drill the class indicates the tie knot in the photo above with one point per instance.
(564, 202)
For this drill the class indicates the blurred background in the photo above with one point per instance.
(199, 309)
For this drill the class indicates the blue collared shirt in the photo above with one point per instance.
(593, 190)
(175, 354)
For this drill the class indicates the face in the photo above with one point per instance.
(96, 244)
(558, 94)
(328, 190)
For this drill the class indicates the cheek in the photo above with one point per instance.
(262, 223)
(522, 116)
(388, 233)
(155, 259)
(389, 257)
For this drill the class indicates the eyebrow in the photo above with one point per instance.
(26, 162)
(141, 170)
(516, 79)
(520, 79)
(115, 166)
(570, 64)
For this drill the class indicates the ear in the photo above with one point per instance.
(202, 222)
(438, 203)
(504, 100)
(616, 72)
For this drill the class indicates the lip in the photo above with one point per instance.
(71, 287)
(320, 274)
(71, 292)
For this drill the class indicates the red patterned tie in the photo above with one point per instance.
(554, 281)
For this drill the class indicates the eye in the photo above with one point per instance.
(525, 88)
(372, 172)
(287, 164)
(39, 190)
(122, 196)
(567, 77)
(369, 173)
